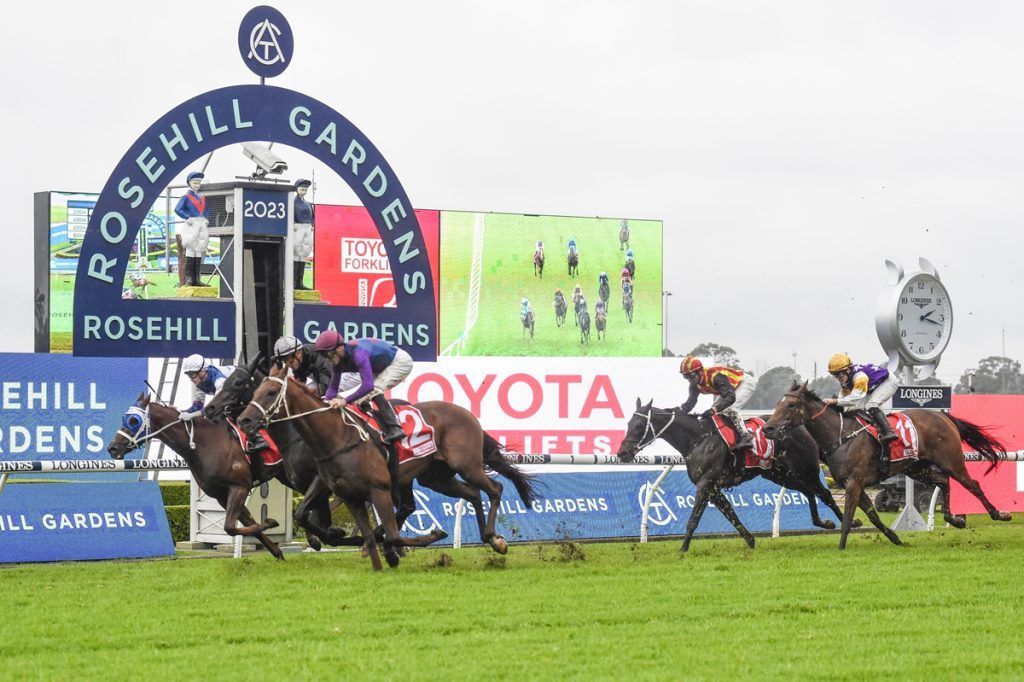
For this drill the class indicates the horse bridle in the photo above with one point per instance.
(281, 400)
(649, 427)
(142, 434)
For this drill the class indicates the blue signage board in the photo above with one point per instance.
(264, 212)
(68, 522)
(58, 407)
(608, 504)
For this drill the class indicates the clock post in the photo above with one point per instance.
(914, 322)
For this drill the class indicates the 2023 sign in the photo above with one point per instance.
(264, 209)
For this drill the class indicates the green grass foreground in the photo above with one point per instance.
(948, 605)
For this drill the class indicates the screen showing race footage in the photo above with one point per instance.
(550, 285)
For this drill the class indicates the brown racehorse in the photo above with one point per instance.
(213, 454)
(852, 454)
(351, 464)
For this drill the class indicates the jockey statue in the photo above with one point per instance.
(195, 234)
(302, 235)
(864, 387)
(732, 386)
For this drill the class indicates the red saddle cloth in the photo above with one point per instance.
(419, 438)
(270, 454)
(904, 447)
(758, 457)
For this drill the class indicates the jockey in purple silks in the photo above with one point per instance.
(379, 365)
(864, 387)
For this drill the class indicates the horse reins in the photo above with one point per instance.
(282, 400)
(650, 428)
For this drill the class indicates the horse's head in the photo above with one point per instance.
(791, 411)
(639, 432)
(269, 399)
(237, 390)
(134, 425)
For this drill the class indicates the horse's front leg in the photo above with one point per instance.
(699, 504)
(723, 504)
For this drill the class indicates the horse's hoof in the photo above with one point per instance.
(857, 523)
(1004, 516)
(335, 535)
(392, 558)
(279, 556)
(314, 542)
(270, 523)
(958, 521)
(364, 551)
(750, 542)
(827, 525)
(498, 544)
(437, 535)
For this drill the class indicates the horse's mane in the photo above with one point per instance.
(805, 391)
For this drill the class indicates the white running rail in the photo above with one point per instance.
(475, 275)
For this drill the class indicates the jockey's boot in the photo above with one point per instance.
(885, 433)
(253, 447)
(197, 270)
(300, 272)
(189, 281)
(743, 437)
(390, 431)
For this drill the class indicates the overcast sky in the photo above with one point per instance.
(790, 147)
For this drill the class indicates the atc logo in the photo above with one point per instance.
(265, 41)
(422, 521)
(660, 513)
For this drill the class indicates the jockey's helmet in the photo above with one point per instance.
(328, 341)
(625, 272)
(839, 362)
(623, 223)
(525, 302)
(629, 253)
(690, 364)
(193, 363)
(540, 244)
(285, 347)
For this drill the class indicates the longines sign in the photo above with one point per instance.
(107, 325)
(928, 397)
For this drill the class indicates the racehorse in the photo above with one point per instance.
(584, 320)
(578, 304)
(604, 292)
(623, 235)
(296, 456)
(560, 307)
(631, 266)
(538, 263)
(213, 454)
(574, 263)
(351, 464)
(600, 322)
(852, 453)
(711, 466)
(528, 321)
(627, 303)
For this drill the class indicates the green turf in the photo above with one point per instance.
(507, 276)
(945, 606)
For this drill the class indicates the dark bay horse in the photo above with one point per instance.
(712, 467)
(574, 263)
(560, 308)
(601, 323)
(296, 456)
(623, 234)
(627, 303)
(538, 263)
(584, 322)
(214, 456)
(351, 464)
(853, 454)
(528, 323)
(604, 291)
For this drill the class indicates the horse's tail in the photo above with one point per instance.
(978, 438)
(494, 458)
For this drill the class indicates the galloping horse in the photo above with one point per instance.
(574, 263)
(296, 456)
(213, 454)
(712, 467)
(351, 464)
(623, 234)
(538, 263)
(604, 291)
(600, 322)
(528, 322)
(852, 454)
(584, 321)
(560, 308)
(627, 303)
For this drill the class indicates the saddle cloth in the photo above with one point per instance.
(904, 447)
(758, 457)
(270, 454)
(419, 438)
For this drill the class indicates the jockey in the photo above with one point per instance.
(206, 379)
(602, 278)
(524, 309)
(572, 247)
(539, 251)
(733, 388)
(600, 307)
(864, 387)
(305, 363)
(581, 304)
(627, 281)
(630, 263)
(381, 366)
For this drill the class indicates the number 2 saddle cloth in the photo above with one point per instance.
(758, 457)
(419, 438)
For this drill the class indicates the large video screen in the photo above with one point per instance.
(488, 267)
(152, 270)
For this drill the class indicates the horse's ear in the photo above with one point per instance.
(637, 404)
(145, 401)
(251, 367)
(142, 394)
(805, 388)
(649, 405)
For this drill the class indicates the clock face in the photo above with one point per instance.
(924, 317)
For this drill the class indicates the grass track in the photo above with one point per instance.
(948, 605)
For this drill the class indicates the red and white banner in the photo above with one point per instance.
(541, 405)
(1000, 415)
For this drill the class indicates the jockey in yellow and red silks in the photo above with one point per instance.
(733, 387)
